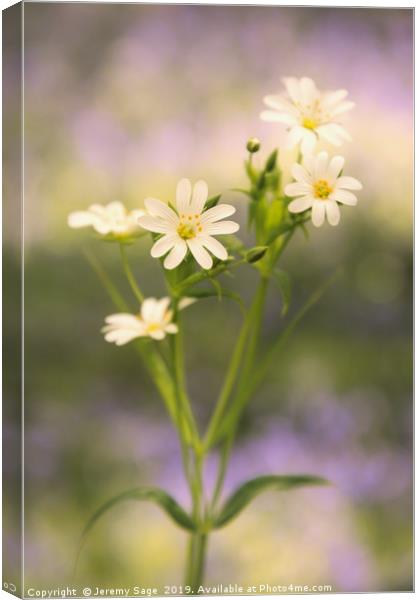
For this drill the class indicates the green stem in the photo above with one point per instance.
(234, 366)
(196, 561)
(129, 274)
(155, 365)
(110, 288)
(258, 308)
(258, 376)
(179, 372)
(253, 316)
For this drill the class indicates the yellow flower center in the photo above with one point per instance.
(309, 123)
(153, 327)
(322, 189)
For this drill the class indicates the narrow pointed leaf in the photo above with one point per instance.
(282, 280)
(249, 490)
(156, 495)
(271, 162)
(211, 293)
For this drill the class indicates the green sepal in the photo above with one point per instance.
(250, 489)
(213, 201)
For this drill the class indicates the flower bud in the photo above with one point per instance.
(253, 145)
(256, 253)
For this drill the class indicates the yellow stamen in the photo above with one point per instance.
(322, 189)
(185, 231)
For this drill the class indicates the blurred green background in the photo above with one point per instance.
(121, 102)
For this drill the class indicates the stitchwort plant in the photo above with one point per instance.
(193, 237)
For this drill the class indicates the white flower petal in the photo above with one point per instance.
(185, 302)
(220, 228)
(171, 328)
(149, 310)
(278, 117)
(282, 104)
(344, 197)
(164, 244)
(293, 88)
(333, 212)
(199, 197)
(98, 210)
(295, 136)
(176, 255)
(301, 174)
(162, 307)
(217, 213)
(157, 334)
(308, 91)
(309, 140)
(214, 246)
(348, 183)
(123, 319)
(116, 210)
(200, 254)
(123, 336)
(335, 167)
(79, 219)
(301, 204)
(157, 208)
(329, 99)
(156, 225)
(320, 166)
(183, 195)
(341, 108)
(333, 133)
(309, 162)
(102, 227)
(297, 189)
(136, 213)
(318, 212)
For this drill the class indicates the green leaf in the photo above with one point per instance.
(283, 281)
(271, 162)
(213, 201)
(242, 191)
(157, 495)
(213, 293)
(249, 490)
(202, 275)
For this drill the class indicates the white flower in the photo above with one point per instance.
(190, 228)
(111, 219)
(154, 320)
(319, 186)
(309, 113)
